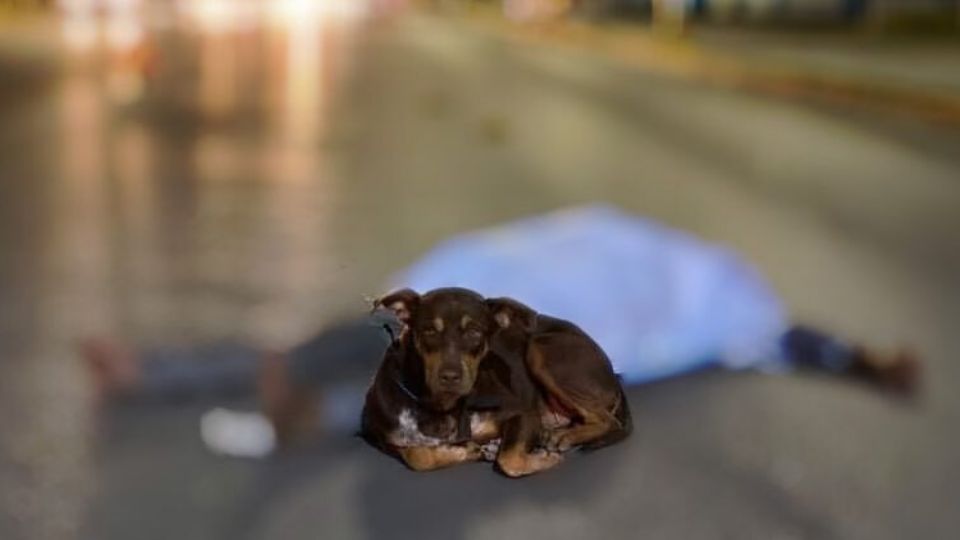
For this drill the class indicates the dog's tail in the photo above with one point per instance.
(621, 430)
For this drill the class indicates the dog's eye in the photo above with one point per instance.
(473, 333)
(429, 332)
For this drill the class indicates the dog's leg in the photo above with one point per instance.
(428, 458)
(596, 417)
(516, 464)
(563, 439)
(623, 426)
(515, 458)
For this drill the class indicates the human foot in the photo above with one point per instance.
(898, 373)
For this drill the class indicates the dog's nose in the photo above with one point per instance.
(450, 376)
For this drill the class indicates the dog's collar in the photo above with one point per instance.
(406, 390)
(394, 337)
(395, 340)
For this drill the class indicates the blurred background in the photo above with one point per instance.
(175, 171)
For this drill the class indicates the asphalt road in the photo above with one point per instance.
(256, 184)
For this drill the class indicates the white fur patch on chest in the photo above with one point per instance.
(408, 433)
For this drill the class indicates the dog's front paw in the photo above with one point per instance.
(472, 451)
(557, 441)
(547, 456)
(516, 464)
(490, 449)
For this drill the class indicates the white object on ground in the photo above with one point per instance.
(237, 434)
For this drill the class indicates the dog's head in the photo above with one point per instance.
(450, 329)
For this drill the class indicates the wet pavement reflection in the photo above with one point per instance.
(169, 184)
(203, 143)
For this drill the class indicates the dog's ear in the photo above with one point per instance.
(507, 312)
(403, 303)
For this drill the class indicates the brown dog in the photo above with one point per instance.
(461, 356)
(582, 403)
(415, 404)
